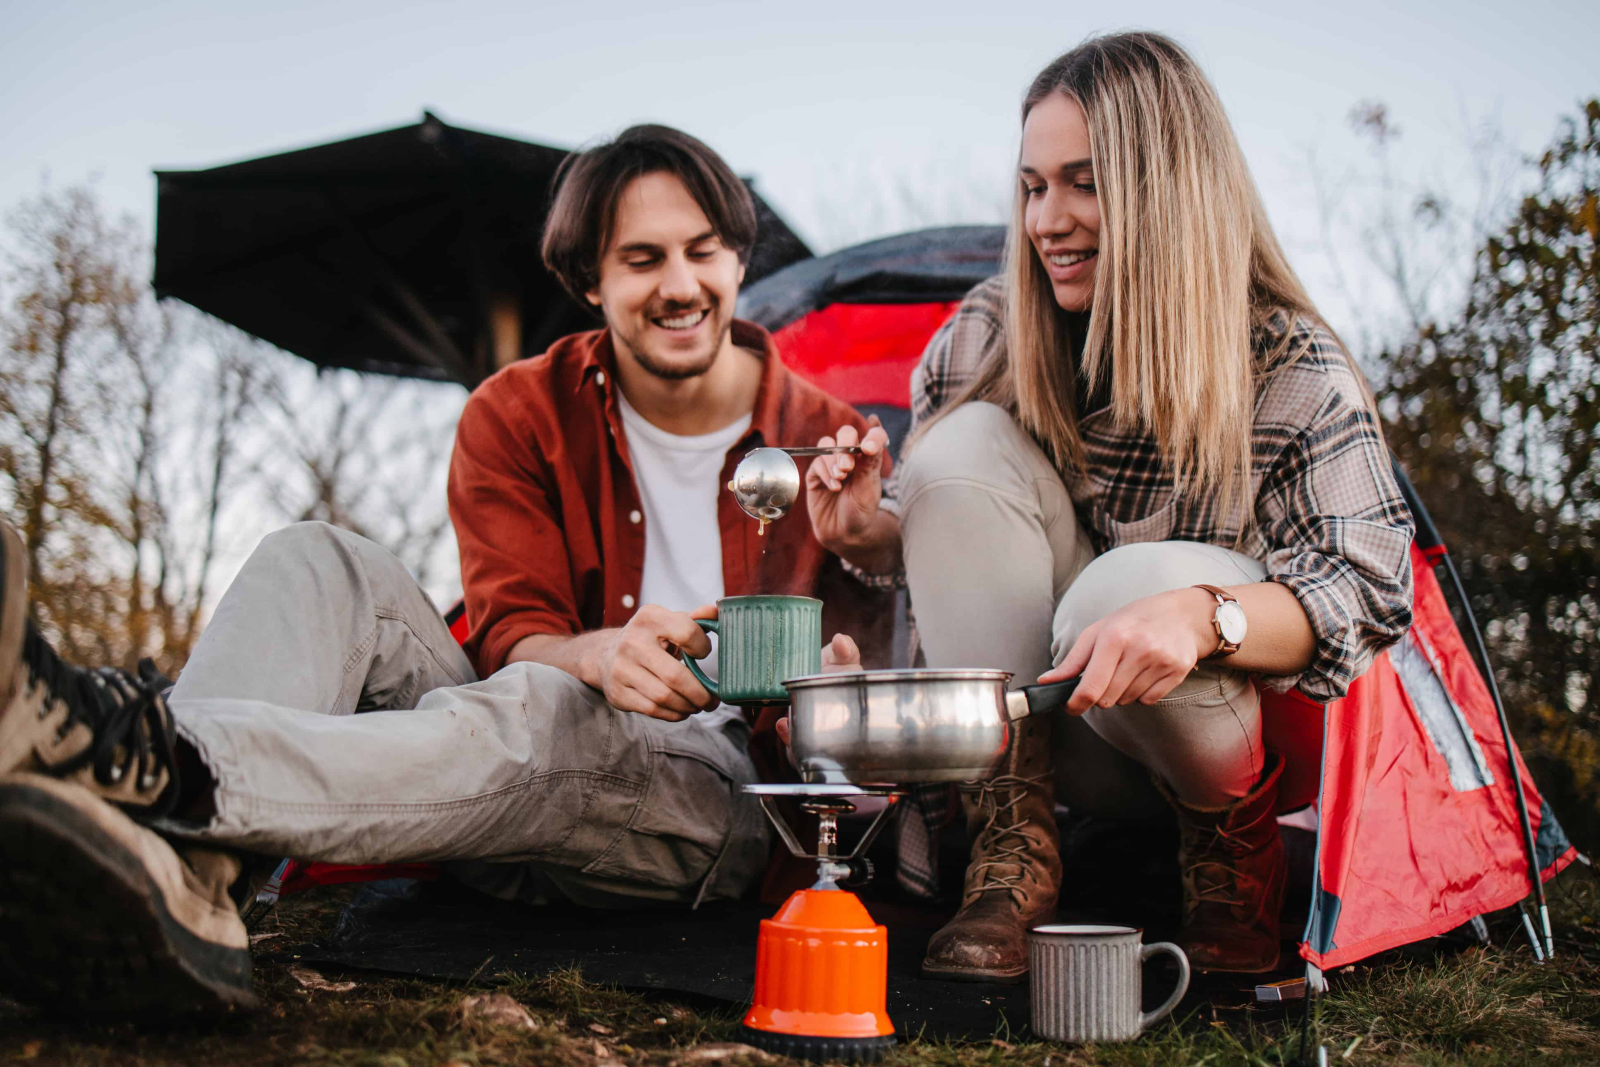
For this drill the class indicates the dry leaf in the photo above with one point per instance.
(600, 1028)
(721, 1050)
(662, 1021)
(997, 1043)
(310, 979)
(256, 939)
(30, 1051)
(496, 1009)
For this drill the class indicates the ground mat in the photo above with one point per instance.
(438, 931)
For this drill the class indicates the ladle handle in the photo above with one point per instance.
(710, 627)
(832, 450)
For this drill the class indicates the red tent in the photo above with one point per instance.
(1427, 816)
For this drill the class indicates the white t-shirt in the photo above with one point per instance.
(679, 479)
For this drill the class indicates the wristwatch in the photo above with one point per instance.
(1228, 620)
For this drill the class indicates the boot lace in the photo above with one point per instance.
(1214, 880)
(126, 716)
(1004, 845)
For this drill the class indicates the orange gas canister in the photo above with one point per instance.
(822, 963)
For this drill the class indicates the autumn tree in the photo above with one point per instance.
(145, 448)
(1496, 415)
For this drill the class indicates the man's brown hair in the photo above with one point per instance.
(589, 184)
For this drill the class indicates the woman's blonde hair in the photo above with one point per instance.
(1187, 266)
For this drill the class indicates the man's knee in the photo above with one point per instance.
(977, 443)
(324, 549)
(309, 539)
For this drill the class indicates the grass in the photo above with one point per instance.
(1420, 1006)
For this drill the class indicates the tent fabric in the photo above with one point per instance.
(1409, 774)
(395, 252)
(1419, 829)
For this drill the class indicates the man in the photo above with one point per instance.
(564, 752)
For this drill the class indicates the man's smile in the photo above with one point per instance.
(683, 322)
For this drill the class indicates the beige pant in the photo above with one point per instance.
(1002, 574)
(530, 768)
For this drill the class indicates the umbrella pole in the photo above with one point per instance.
(1511, 760)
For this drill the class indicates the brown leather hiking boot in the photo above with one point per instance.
(1015, 873)
(100, 915)
(1233, 878)
(105, 729)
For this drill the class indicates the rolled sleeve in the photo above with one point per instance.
(515, 575)
(1339, 538)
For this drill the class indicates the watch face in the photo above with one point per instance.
(1230, 619)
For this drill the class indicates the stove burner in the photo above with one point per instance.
(822, 963)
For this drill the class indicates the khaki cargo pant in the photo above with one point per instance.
(343, 723)
(1001, 574)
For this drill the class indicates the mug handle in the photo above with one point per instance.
(1145, 952)
(710, 627)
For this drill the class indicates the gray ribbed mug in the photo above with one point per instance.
(1085, 982)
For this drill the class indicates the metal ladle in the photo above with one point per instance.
(766, 483)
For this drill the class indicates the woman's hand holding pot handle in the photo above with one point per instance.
(1139, 653)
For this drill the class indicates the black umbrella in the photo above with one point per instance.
(413, 251)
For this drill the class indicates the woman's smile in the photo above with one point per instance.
(1069, 266)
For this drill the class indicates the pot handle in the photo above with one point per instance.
(1038, 699)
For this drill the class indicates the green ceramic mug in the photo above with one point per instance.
(761, 640)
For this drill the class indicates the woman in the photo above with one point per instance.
(1141, 459)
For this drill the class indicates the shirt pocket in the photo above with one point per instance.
(1156, 525)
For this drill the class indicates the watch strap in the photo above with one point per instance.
(1224, 646)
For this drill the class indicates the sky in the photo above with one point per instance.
(856, 119)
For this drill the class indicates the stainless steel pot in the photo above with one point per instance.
(903, 727)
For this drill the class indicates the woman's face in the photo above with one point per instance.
(1062, 210)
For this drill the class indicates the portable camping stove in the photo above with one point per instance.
(822, 964)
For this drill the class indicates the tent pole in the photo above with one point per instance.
(1511, 760)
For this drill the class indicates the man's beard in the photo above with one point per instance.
(677, 372)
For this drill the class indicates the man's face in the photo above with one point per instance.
(668, 284)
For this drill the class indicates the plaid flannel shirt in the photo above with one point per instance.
(1331, 525)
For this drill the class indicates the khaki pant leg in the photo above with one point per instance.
(528, 765)
(991, 543)
(1203, 739)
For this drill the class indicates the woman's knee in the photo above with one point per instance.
(978, 443)
(1132, 572)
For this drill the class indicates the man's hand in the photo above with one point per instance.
(838, 655)
(842, 492)
(1139, 653)
(639, 668)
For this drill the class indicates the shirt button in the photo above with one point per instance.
(627, 600)
(600, 377)
(635, 518)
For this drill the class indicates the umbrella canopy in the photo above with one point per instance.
(413, 251)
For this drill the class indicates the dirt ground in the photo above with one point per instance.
(1425, 1005)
